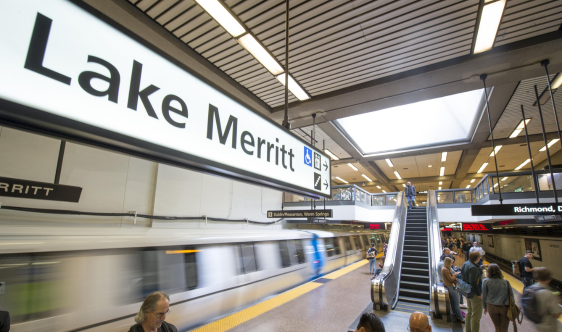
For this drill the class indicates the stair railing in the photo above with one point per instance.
(384, 288)
(439, 294)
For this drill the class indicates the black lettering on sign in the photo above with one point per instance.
(223, 136)
(135, 93)
(112, 91)
(39, 190)
(38, 47)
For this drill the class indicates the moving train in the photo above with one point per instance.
(84, 279)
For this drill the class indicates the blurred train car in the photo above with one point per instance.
(95, 279)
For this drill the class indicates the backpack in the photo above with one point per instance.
(529, 303)
(371, 253)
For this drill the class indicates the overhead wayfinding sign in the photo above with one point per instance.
(69, 73)
(39, 190)
(300, 214)
(517, 209)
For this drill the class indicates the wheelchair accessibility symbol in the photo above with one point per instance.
(307, 156)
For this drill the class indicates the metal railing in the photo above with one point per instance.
(439, 294)
(384, 288)
(509, 182)
(351, 192)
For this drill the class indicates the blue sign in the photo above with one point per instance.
(308, 156)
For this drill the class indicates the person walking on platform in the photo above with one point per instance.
(539, 301)
(466, 249)
(372, 257)
(526, 269)
(410, 191)
(471, 274)
(4, 321)
(419, 322)
(152, 314)
(369, 322)
(449, 281)
(496, 293)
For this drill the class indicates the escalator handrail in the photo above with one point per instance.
(380, 292)
(438, 295)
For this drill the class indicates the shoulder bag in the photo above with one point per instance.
(514, 313)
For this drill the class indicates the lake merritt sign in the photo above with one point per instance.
(517, 209)
(67, 72)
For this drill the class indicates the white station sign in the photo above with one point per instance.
(65, 71)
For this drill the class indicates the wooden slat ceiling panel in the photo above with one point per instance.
(341, 43)
(525, 95)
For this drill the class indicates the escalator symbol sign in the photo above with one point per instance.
(317, 181)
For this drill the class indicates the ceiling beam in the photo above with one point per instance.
(504, 65)
(467, 159)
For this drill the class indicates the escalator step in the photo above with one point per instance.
(414, 283)
(413, 300)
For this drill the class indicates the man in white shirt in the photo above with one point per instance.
(476, 248)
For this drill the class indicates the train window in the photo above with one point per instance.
(285, 255)
(299, 251)
(332, 246)
(357, 242)
(35, 286)
(347, 243)
(248, 260)
(292, 252)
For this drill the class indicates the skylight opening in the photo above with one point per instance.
(375, 132)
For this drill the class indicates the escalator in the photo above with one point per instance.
(414, 277)
(409, 278)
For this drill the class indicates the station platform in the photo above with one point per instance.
(333, 302)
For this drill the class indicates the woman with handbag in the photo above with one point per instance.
(496, 296)
(449, 281)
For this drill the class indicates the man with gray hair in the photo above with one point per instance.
(152, 314)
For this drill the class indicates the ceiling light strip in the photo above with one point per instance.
(341, 180)
(442, 171)
(482, 168)
(490, 19)
(397, 175)
(367, 178)
(244, 37)
(498, 147)
(523, 164)
(329, 153)
(519, 128)
(444, 156)
(550, 144)
(389, 162)
(352, 167)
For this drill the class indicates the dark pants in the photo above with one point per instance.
(498, 314)
(527, 281)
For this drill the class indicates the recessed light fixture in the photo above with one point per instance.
(379, 187)
(342, 180)
(429, 166)
(503, 179)
(519, 128)
(439, 188)
(367, 178)
(468, 186)
(472, 181)
(222, 16)
(496, 150)
(523, 164)
(495, 185)
(440, 182)
(444, 156)
(352, 167)
(403, 185)
(442, 171)
(251, 45)
(333, 156)
(397, 175)
(488, 27)
(389, 163)
(384, 191)
(482, 167)
(550, 144)
(294, 87)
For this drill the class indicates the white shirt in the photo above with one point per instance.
(479, 249)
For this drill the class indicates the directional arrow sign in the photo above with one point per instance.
(326, 184)
(325, 166)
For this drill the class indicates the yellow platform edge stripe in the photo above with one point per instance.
(245, 315)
